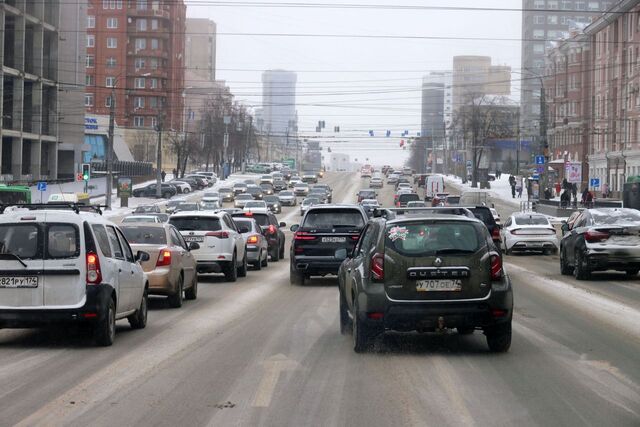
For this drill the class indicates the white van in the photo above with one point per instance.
(433, 186)
(63, 266)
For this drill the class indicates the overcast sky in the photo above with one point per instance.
(327, 66)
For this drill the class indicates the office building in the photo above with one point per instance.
(200, 48)
(279, 117)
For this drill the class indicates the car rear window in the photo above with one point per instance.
(403, 198)
(196, 223)
(62, 241)
(243, 223)
(333, 218)
(531, 220)
(20, 240)
(431, 238)
(25, 240)
(145, 235)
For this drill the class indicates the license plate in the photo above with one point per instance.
(438, 285)
(334, 239)
(535, 244)
(194, 239)
(19, 282)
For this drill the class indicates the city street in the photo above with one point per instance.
(263, 352)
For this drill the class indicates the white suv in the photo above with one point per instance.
(66, 266)
(222, 247)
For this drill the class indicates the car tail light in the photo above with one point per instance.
(248, 214)
(355, 238)
(495, 233)
(252, 240)
(164, 258)
(496, 312)
(218, 234)
(94, 276)
(303, 235)
(593, 236)
(377, 267)
(496, 267)
(272, 229)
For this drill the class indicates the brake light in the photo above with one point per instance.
(496, 267)
(377, 267)
(94, 276)
(218, 234)
(495, 233)
(303, 235)
(252, 240)
(593, 236)
(355, 238)
(272, 229)
(248, 214)
(164, 258)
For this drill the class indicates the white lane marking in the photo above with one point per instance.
(604, 309)
(273, 367)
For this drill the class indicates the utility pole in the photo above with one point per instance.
(109, 153)
(227, 120)
(543, 136)
(159, 158)
(517, 143)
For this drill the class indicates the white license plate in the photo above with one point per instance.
(439, 285)
(196, 239)
(334, 239)
(19, 282)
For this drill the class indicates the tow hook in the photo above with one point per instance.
(441, 328)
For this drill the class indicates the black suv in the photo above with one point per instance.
(325, 229)
(483, 213)
(425, 273)
(167, 191)
(271, 229)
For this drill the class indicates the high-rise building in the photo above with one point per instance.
(432, 129)
(136, 59)
(200, 48)
(39, 139)
(542, 22)
(475, 76)
(279, 104)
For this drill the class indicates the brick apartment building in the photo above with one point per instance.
(600, 95)
(136, 49)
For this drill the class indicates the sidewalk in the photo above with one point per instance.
(500, 189)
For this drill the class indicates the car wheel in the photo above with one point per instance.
(565, 269)
(345, 321)
(192, 292)
(275, 255)
(175, 300)
(138, 320)
(281, 251)
(265, 261)
(499, 338)
(104, 331)
(258, 264)
(467, 330)
(580, 271)
(633, 272)
(185, 191)
(360, 332)
(296, 277)
(242, 270)
(231, 273)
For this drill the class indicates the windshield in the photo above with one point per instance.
(145, 235)
(333, 218)
(615, 216)
(432, 238)
(195, 223)
(531, 220)
(139, 219)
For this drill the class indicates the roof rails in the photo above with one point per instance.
(76, 207)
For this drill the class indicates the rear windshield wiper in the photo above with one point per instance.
(6, 256)
(453, 251)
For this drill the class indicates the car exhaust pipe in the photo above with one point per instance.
(302, 266)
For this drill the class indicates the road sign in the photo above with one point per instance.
(42, 186)
(540, 169)
(594, 182)
(539, 160)
(536, 176)
(469, 163)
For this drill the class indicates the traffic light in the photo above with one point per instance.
(86, 171)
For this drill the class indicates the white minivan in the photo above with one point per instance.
(68, 266)
(433, 186)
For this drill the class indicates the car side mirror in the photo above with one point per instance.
(283, 224)
(294, 227)
(341, 254)
(194, 246)
(142, 256)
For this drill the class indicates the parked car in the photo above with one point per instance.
(307, 203)
(273, 203)
(599, 240)
(194, 183)
(171, 268)
(393, 280)
(271, 229)
(182, 186)
(140, 218)
(366, 194)
(205, 179)
(222, 248)
(59, 266)
(187, 206)
(287, 198)
(256, 242)
(201, 181)
(145, 209)
(227, 194)
(212, 177)
(242, 199)
(167, 191)
(301, 189)
(324, 230)
(529, 232)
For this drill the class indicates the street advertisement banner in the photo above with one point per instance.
(573, 172)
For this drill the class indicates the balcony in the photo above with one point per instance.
(147, 72)
(149, 53)
(150, 13)
(161, 33)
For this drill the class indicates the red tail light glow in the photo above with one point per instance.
(164, 258)
(218, 234)
(272, 229)
(303, 235)
(94, 276)
(375, 316)
(594, 236)
(496, 267)
(377, 267)
(495, 233)
(252, 240)
(496, 312)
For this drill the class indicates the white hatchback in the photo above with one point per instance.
(529, 232)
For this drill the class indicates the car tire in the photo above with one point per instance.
(281, 254)
(275, 255)
(258, 264)
(231, 273)
(580, 271)
(467, 330)
(138, 320)
(265, 262)
(296, 277)
(345, 320)
(192, 292)
(499, 338)
(565, 269)
(104, 331)
(360, 331)
(185, 191)
(242, 270)
(175, 300)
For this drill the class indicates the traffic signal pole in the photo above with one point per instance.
(109, 153)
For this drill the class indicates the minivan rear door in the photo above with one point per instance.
(65, 284)
(436, 260)
(21, 263)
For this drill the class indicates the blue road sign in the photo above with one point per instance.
(469, 164)
(540, 169)
(539, 160)
(42, 186)
(594, 182)
(536, 176)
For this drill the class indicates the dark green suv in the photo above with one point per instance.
(425, 273)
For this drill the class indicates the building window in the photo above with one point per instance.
(90, 61)
(88, 100)
(154, 122)
(141, 44)
(538, 48)
(138, 102)
(89, 80)
(110, 82)
(140, 63)
(141, 24)
(538, 34)
(538, 19)
(107, 101)
(538, 4)
(155, 44)
(594, 5)
(552, 19)
(154, 84)
(566, 5)
(581, 5)
(141, 4)
(154, 63)
(91, 21)
(552, 4)
(91, 40)
(138, 121)
(111, 62)
(112, 43)
(154, 24)
(139, 83)
(112, 23)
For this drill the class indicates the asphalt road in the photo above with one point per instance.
(263, 352)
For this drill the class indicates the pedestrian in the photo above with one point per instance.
(163, 174)
(512, 184)
(565, 199)
(175, 172)
(519, 190)
(605, 190)
(558, 189)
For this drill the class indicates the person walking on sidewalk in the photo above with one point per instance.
(512, 183)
